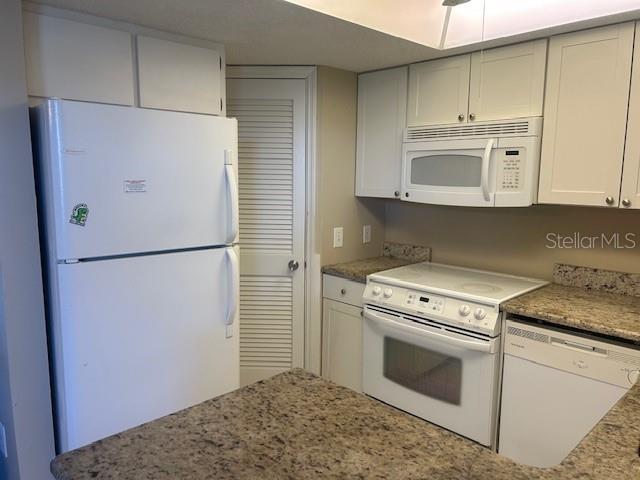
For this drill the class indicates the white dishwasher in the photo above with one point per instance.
(557, 385)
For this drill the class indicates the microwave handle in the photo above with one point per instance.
(484, 179)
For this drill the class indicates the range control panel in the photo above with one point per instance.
(460, 313)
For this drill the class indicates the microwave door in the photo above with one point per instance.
(461, 175)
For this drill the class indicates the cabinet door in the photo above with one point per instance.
(630, 193)
(382, 106)
(342, 344)
(175, 76)
(77, 61)
(439, 91)
(585, 116)
(508, 82)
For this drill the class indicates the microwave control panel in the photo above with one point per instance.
(511, 169)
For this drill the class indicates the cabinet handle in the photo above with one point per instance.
(472, 116)
(609, 200)
(343, 291)
(460, 117)
(396, 193)
(626, 202)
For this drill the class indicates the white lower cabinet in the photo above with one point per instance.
(342, 332)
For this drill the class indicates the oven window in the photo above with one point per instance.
(424, 371)
(446, 170)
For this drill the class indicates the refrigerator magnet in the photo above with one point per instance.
(79, 214)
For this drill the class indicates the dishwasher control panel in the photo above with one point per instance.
(583, 355)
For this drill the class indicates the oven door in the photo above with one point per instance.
(445, 377)
(451, 172)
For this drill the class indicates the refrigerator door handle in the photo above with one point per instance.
(233, 270)
(232, 191)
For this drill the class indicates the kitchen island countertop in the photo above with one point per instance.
(297, 425)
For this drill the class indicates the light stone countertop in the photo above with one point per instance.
(299, 426)
(593, 300)
(588, 310)
(394, 255)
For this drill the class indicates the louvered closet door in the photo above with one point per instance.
(271, 158)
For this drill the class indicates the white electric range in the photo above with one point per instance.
(431, 342)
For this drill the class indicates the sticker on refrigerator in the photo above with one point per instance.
(135, 186)
(79, 215)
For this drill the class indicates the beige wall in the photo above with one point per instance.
(336, 147)
(513, 240)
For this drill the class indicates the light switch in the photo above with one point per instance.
(366, 233)
(338, 237)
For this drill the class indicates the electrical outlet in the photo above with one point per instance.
(338, 237)
(366, 233)
(3, 441)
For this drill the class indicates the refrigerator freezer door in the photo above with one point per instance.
(128, 180)
(138, 338)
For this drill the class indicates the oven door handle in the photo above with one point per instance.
(479, 345)
(486, 159)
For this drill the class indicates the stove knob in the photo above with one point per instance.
(464, 310)
(480, 313)
(387, 292)
(376, 291)
(634, 376)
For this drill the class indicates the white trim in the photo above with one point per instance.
(288, 72)
(313, 280)
(313, 276)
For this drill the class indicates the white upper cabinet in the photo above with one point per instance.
(508, 82)
(382, 103)
(496, 84)
(438, 91)
(77, 61)
(585, 116)
(175, 76)
(630, 193)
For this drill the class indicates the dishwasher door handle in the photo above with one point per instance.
(577, 347)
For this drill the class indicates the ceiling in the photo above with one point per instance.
(435, 25)
(278, 32)
(263, 32)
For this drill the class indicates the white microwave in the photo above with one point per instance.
(483, 164)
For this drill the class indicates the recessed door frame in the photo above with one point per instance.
(312, 273)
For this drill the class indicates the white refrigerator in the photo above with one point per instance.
(139, 219)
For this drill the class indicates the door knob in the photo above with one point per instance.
(293, 265)
(626, 202)
(609, 200)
